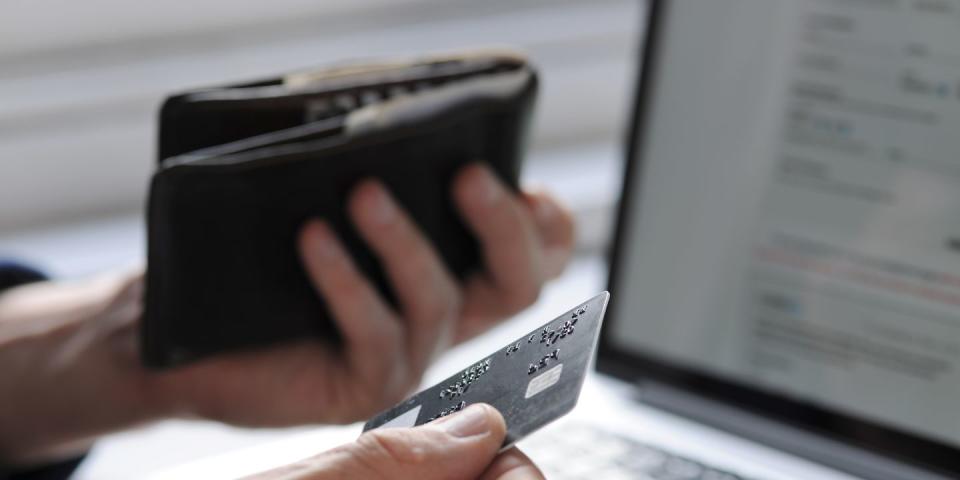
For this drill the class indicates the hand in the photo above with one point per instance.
(524, 239)
(69, 370)
(461, 446)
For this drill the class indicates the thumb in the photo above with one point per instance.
(459, 446)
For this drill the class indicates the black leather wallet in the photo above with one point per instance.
(242, 167)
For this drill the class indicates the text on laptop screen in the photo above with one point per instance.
(797, 221)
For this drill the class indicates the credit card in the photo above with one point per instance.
(532, 381)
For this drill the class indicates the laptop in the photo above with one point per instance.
(786, 265)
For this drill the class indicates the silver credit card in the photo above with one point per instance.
(532, 381)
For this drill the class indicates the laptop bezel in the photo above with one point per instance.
(635, 367)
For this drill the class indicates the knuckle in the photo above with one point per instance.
(389, 383)
(454, 302)
(377, 353)
(392, 448)
(442, 305)
(383, 339)
(386, 344)
(417, 261)
(349, 290)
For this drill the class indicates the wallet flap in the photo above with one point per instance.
(214, 116)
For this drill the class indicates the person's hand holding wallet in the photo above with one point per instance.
(314, 242)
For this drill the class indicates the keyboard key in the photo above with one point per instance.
(718, 475)
(682, 469)
(614, 473)
(577, 451)
(643, 461)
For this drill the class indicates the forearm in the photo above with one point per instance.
(68, 367)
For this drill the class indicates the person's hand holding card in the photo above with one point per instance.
(465, 445)
(448, 431)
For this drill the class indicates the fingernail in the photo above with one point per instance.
(484, 188)
(382, 210)
(469, 422)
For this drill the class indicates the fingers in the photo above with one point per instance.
(512, 465)
(373, 336)
(555, 226)
(428, 294)
(508, 238)
(461, 445)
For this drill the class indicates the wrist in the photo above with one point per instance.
(68, 367)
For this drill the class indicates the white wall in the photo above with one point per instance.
(80, 81)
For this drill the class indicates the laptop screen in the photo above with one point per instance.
(791, 219)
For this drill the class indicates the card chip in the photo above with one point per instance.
(530, 381)
(543, 382)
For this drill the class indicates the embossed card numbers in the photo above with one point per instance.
(531, 381)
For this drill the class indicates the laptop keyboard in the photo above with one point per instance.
(577, 451)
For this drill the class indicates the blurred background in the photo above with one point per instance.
(80, 84)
